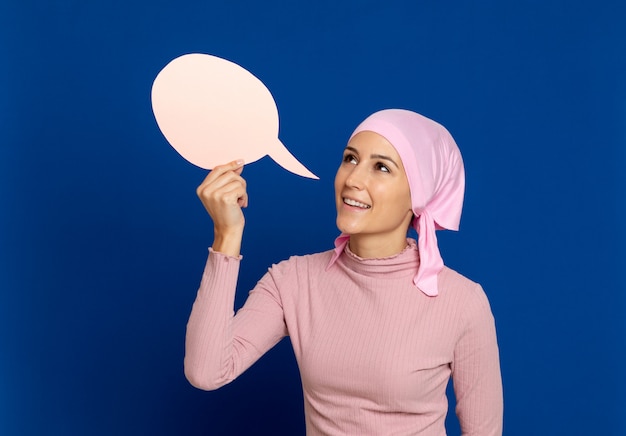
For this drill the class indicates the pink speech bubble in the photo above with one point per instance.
(212, 111)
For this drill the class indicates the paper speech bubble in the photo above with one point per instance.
(212, 111)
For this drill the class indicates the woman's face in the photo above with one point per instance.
(372, 191)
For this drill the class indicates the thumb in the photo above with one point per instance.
(239, 163)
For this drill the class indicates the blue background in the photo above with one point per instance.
(102, 240)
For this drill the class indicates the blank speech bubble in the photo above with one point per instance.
(212, 111)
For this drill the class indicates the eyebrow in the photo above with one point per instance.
(375, 156)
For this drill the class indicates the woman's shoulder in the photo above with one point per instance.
(308, 262)
(462, 290)
(449, 277)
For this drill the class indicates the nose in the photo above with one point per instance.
(356, 177)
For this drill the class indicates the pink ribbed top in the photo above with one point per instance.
(375, 354)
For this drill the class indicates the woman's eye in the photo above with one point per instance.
(349, 158)
(382, 167)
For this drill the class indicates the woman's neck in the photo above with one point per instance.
(376, 247)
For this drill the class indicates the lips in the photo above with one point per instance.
(354, 203)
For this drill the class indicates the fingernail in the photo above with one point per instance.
(239, 162)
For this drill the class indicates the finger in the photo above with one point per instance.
(239, 169)
(226, 209)
(220, 170)
(231, 193)
(223, 180)
(236, 191)
(218, 184)
(243, 200)
(211, 184)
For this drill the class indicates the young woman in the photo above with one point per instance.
(378, 324)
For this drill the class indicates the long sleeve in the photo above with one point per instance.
(220, 345)
(476, 371)
(375, 354)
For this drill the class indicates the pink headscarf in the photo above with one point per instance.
(434, 168)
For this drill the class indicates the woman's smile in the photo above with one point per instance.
(355, 203)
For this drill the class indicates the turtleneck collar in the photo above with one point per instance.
(405, 263)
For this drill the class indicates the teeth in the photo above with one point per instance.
(351, 202)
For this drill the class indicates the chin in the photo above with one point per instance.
(347, 229)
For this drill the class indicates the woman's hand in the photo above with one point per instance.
(223, 194)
